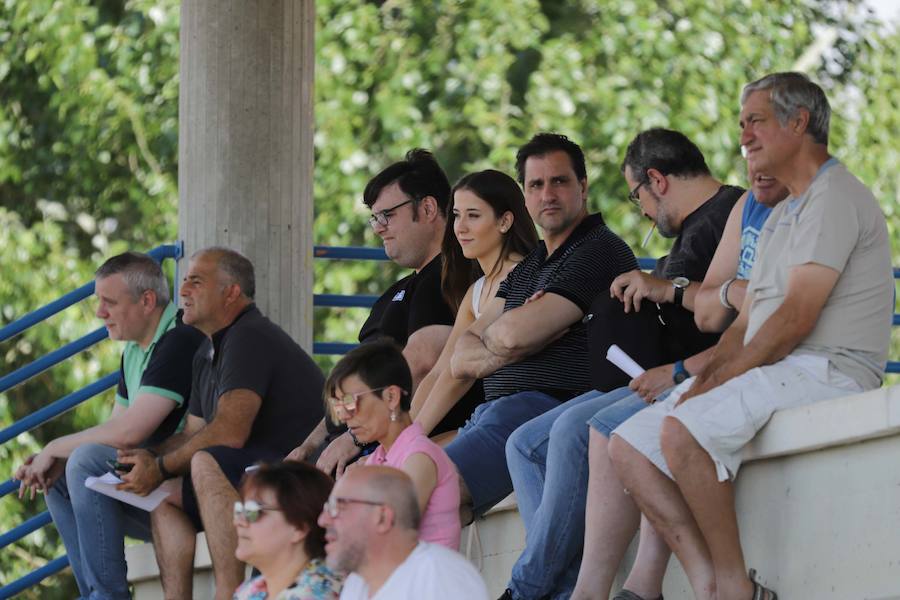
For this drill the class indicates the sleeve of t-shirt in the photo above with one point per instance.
(428, 306)
(244, 362)
(826, 231)
(121, 389)
(511, 277)
(168, 374)
(587, 272)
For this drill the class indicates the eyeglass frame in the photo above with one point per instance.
(381, 217)
(243, 510)
(351, 407)
(633, 194)
(332, 505)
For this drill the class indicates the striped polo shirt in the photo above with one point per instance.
(583, 266)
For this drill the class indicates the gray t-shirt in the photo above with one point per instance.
(836, 223)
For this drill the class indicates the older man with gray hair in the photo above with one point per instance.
(372, 532)
(150, 402)
(256, 394)
(815, 325)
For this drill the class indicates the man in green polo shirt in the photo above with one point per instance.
(151, 399)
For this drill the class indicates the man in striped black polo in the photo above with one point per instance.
(533, 354)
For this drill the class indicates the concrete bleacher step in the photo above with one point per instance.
(818, 502)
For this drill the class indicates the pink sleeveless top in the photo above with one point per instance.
(440, 523)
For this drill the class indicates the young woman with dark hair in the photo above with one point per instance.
(488, 232)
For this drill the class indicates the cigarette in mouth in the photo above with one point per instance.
(647, 237)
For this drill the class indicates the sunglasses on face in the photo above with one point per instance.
(349, 402)
(251, 510)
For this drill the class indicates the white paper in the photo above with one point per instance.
(106, 485)
(617, 356)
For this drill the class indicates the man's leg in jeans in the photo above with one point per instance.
(479, 451)
(554, 529)
(100, 524)
(60, 506)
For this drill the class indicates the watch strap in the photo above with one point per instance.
(679, 296)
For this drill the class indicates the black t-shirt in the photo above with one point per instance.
(255, 354)
(410, 304)
(583, 266)
(169, 368)
(689, 257)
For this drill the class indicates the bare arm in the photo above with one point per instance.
(127, 427)
(440, 391)
(513, 335)
(423, 472)
(709, 313)
(315, 439)
(422, 350)
(809, 286)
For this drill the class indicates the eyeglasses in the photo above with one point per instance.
(349, 401)
(383, 217)
(633, 194)
(251, 510)
(332, 508)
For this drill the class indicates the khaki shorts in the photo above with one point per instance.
(726, 418)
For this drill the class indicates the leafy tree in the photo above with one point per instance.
(88, 135)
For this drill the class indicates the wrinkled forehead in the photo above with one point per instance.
(757, 102)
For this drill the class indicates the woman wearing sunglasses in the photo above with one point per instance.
(368, 389)
(278, 533)
(488, 233)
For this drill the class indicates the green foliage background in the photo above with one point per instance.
(88, 136)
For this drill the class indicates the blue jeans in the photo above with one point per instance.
(479, 449)
(93, 526)
(548, 463)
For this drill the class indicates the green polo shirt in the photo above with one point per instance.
(135, 360)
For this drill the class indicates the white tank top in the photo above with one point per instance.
(476, 296)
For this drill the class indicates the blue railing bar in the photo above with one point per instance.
(57, 356)
(17, 533)
(45, 312)
(332, 347)
(896, 319)
(646, 264)
(342, 301)
(893, 367)
(19, 325)
(9, 486)
(60, 406)
(349, 253)
(35, 577)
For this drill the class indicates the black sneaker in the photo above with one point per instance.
(507, 595)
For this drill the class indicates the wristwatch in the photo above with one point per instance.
(679, 373)
(679, 283)
(162, 468)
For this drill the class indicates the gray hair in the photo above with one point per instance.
(140, 272)
(234, 265)
(791, 91)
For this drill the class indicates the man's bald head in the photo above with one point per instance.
(390, 486)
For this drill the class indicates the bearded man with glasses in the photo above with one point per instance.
(371, 523)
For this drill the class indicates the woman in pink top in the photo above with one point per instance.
(368, 389)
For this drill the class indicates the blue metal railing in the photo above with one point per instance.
(48, 412)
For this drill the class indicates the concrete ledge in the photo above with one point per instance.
(818, 504)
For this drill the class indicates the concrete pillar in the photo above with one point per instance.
(246, 144)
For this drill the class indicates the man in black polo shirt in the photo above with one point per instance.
(255, 395)
(409, 202)
(533, 355)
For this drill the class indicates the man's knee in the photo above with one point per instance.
(521, 444)
(204, 466)
(676, 442)
(621, 453)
